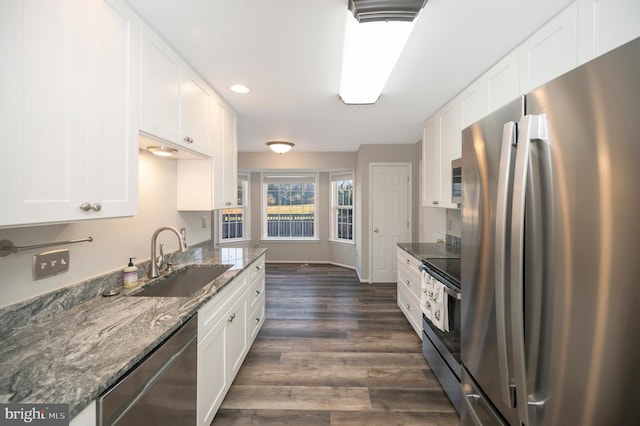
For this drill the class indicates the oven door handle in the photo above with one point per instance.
(448, 288)
(452, 292)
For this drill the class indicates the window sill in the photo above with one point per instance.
(235, 241)
(290, 240)
(343, 242)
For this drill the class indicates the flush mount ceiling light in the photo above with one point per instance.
(375, 34)
(280, 147)
(240, 88)
(161, 151)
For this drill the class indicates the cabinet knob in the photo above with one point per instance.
(85, 207)
(408, 283)
(376, 230)
(258, 268)
(258, 319)
(232, 317)
(187, 139)
(408, 307)
(434, 203)
(258, 292)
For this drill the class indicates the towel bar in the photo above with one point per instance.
(7, 247)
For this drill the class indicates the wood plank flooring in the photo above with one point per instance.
(333, 351)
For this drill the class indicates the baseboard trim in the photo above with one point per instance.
(320, 262)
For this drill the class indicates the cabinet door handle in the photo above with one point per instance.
(408, 283)
(434, 202)
(232, 317)
(187, 139)
(258, 292)
(258, 319)
(258, 268)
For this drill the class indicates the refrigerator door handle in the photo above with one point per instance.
(532, 128)
(504, 181)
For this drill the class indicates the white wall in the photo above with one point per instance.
(115, 240)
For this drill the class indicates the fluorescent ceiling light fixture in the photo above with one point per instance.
(280, 147)
(240, 88)
(162, 151)
(371, 50)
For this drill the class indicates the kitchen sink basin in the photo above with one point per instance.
(184, 282)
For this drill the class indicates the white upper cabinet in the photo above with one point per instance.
(551, 51)
(431, 162)
(503, 81)
(225, 157)
(606, 24)
(176, 103)
(473, 102)
(441, 143)
(68, 110)
(212, 183)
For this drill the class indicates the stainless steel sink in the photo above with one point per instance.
(184, 282)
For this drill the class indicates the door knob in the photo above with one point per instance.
(376, 230)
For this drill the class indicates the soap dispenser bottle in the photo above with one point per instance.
(130, 274)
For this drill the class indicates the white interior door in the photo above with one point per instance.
(390, 216)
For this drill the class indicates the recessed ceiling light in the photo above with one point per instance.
(240, 88)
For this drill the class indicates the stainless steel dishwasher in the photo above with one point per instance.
(161, 389)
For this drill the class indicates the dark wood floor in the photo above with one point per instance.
(333, 351)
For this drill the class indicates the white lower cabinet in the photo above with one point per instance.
(409, 288)
(226, 330)
(86, 417)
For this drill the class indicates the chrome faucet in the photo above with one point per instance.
(156, 264)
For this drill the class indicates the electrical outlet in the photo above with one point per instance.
(50, 263)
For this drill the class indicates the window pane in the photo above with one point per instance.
(345, 192)
(290, 209)
(232, 220)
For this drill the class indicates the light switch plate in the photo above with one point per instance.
(50, 263)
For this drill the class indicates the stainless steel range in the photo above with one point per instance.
(440, 304)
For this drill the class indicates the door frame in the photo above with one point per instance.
(372, 165)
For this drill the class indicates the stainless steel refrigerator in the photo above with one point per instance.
(550, 330)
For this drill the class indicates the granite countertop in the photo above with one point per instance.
(427, 250)
(73, 356)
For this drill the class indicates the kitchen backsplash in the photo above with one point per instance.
(43, 306)
(454, 231)
(454, 244)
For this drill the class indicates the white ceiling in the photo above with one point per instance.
(289, 53)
